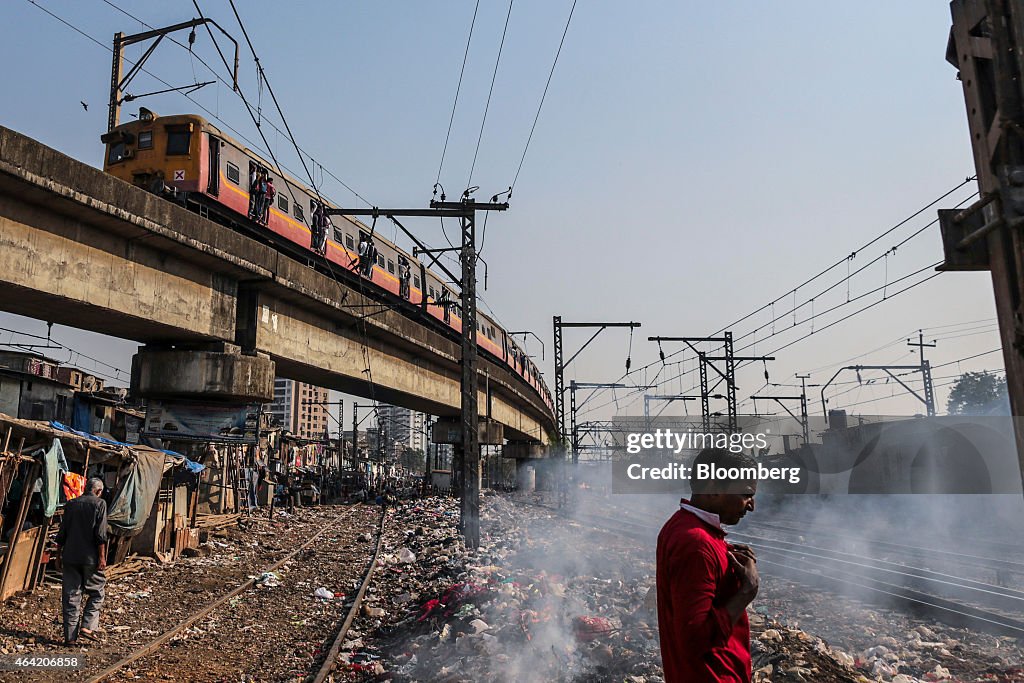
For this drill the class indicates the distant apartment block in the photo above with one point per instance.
(299, 408)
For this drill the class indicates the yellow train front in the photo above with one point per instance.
(155, 152)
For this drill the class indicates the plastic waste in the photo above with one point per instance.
(268, 580)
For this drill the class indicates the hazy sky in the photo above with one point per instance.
(693, 162)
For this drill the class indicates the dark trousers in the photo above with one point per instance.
(77, 579)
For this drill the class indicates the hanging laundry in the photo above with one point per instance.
(73, 485)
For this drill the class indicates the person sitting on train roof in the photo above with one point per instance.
(268, 201)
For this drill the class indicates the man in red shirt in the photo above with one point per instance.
(705, 584)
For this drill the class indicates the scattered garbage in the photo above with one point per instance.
(323, 593)
(268, 580)
(406, 556)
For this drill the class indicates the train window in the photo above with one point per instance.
(391, 266)
(179, 139)
(380, 260)
(430, 290)
(298, 212)
(282, 203)
(234, 175)
(416, 281)
(349, 242)
(146, 139)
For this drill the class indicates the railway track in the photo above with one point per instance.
(922, 592)
(155, 646)
(912, 550)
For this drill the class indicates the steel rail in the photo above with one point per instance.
(959, 558)
(155, 644)
(332, 655)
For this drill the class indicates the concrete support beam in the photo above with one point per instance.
(524, 450)
(449, 431)
(224, 375)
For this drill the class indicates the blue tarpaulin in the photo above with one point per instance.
(134, 500)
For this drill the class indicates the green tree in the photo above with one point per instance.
(978, 393)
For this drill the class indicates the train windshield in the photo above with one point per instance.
(178, 140)
(116, 153)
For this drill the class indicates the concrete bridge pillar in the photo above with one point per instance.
(217, 372)
(546, 475)
(526, 476)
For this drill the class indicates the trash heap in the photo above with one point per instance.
(884, 644)
(542, 598)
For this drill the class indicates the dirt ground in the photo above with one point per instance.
(267, 633)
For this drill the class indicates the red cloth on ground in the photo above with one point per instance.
(73, 484)
(699, 642)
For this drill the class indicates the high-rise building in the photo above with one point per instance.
(404, 426)
(299, 408)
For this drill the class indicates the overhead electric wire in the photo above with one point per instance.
(490, 92)
(831, 324)
(458, 89)
(65, 347)
(817, 276)
(361, 320)
(852, 254)
(543, 96)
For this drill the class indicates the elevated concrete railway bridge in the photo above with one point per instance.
(81, 248)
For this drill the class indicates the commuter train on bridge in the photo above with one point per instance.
(190, 160)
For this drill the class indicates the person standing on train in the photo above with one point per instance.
(404, 276)
(371, 258)
(268, 201)
(364, 253)
(257, 190)
(323, 222)
(314, 228)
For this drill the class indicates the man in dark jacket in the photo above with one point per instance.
(82, 539)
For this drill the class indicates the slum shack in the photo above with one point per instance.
(42, 466)
(168, 527)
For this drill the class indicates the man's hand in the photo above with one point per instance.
(741, 549)
(742, 559)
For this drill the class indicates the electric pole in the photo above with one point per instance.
(355, 436)
(728, 376)
(560, 366)
(926, 372)
(468, 451)
(929, 393)
(118, 82)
